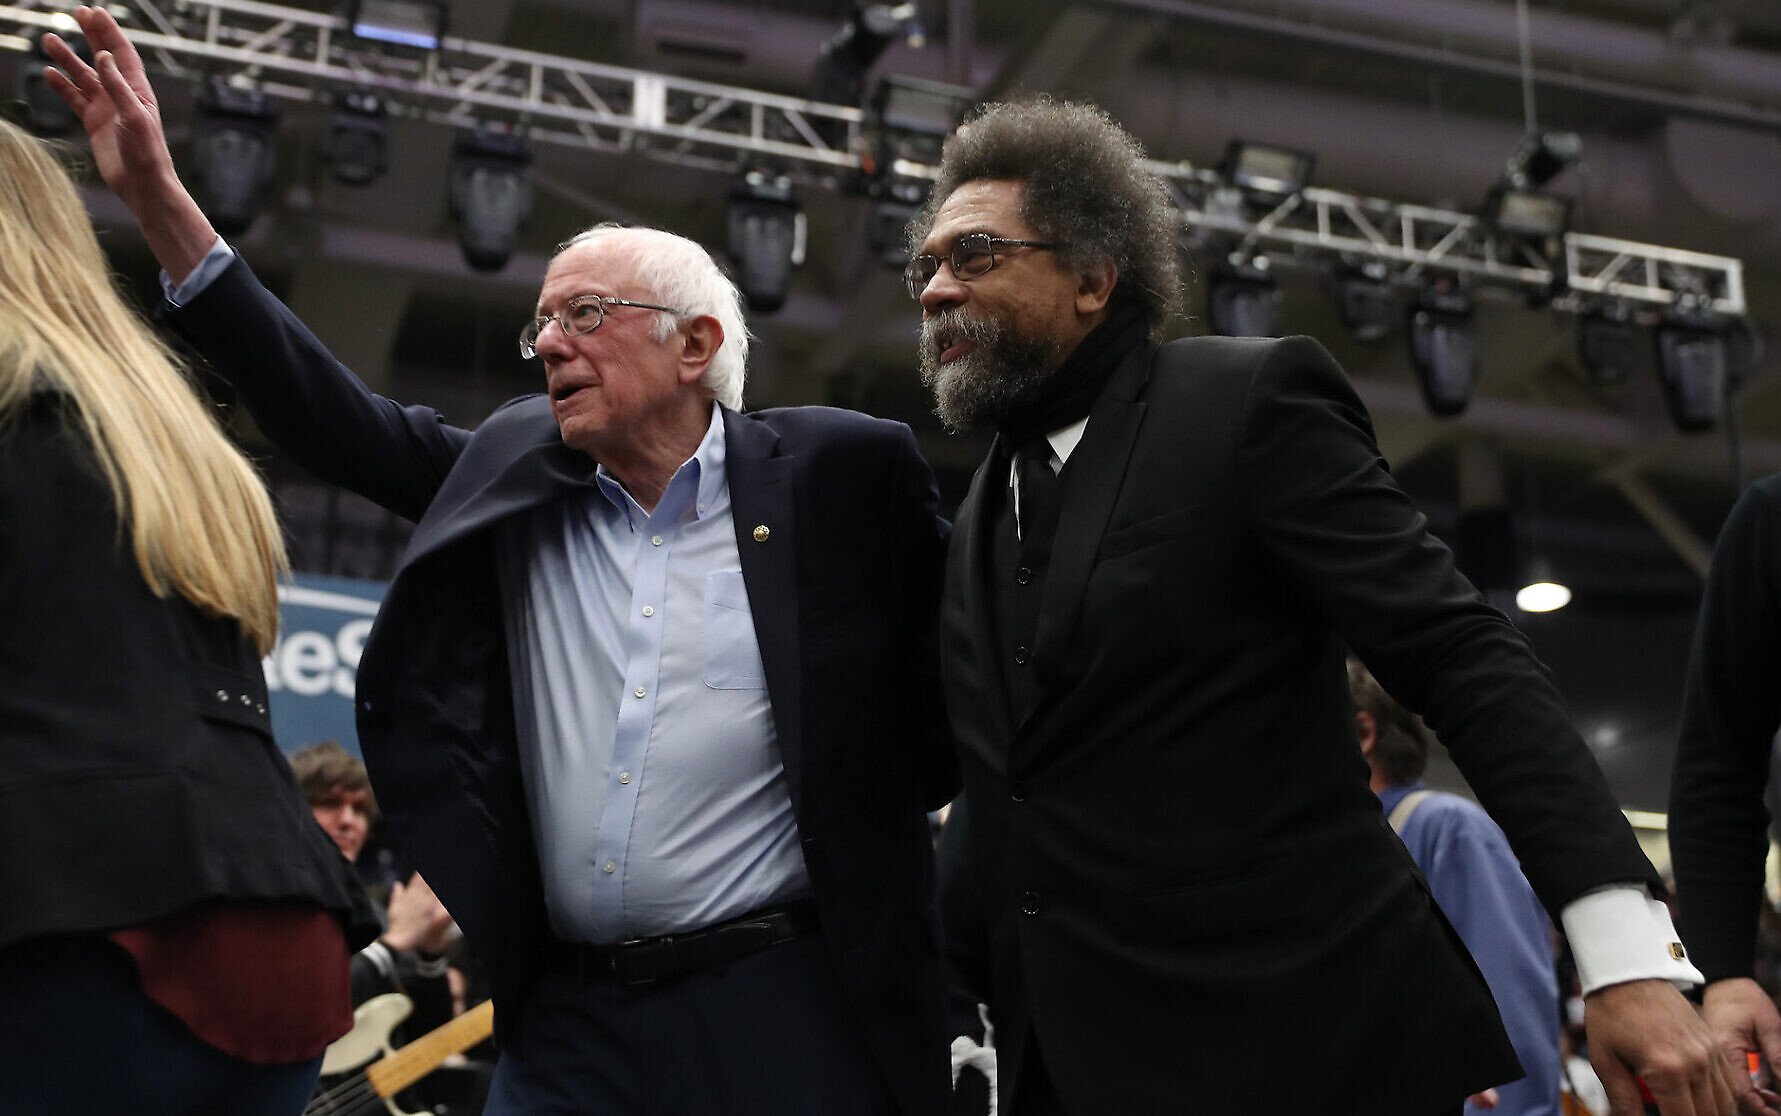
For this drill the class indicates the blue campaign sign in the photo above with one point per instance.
(323, 622)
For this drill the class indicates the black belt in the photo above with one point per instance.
(647, 960)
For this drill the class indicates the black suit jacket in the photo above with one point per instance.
(843, 590)
(1192, 898)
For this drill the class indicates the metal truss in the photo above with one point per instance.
(309, 56)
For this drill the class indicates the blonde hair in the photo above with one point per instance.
(199, 519)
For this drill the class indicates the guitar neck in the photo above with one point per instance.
(398, 1071)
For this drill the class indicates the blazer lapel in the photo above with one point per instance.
(971, 646)
(1097, 469)
(762, 499)
(498, 476)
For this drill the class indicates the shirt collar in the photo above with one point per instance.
(700, 476)
(1394, 794)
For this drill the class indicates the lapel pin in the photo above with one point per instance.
(761, 533)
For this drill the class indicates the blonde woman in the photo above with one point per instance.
(174, 928)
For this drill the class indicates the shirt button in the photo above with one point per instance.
(1022, 576)
(624, 776)
(609, 867)
(1017, 792)
(1021, 655)
(1029, 903)
(655, 540)
(639, 691)
(649, 610)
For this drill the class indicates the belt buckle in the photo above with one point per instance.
(630, 956)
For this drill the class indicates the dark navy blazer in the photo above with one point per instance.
(844, 590)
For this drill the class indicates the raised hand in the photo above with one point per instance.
(117, 107)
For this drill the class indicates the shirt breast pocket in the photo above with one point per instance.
(732, 655)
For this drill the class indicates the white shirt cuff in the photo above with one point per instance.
(212, 265)
(1620, 933)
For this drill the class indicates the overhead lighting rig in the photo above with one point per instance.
(766, 236)
(585, 105)
(235, 146)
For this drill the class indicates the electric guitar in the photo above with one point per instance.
(375, 1086)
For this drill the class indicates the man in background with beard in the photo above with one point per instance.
(1192, 900)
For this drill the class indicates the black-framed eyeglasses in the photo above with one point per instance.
(583, 314)
(971, 256)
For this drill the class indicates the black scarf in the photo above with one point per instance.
(1071, 391)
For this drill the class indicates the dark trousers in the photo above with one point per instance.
(78, 1036)
(768, 1034)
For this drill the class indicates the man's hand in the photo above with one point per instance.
(418, 920)
(1645, 1028)
(1744, 1021)
(117, 107)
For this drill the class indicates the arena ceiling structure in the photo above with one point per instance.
(1410, 110)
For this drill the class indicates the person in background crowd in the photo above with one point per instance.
(1719, 823)
(652, 700)
(1187, 884)
(174, 929)
(1478, 886)
(409, 956)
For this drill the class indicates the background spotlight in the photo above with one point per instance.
(1242, 299)
(235, 142)
(491, 195)
(1443, 349)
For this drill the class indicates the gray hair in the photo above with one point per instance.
(681, 274)
(1086, 189)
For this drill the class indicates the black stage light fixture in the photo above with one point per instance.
(1443, 348)
(410, 23)
(1526, 214)
(766, 234)
(1366, 302)
(887, 229)
(1542, 157)
(839, 76)
(1242, 299)
(1608, 343)
(1262, 170)
(356, 147)
(40, 108)
(235, 144)
(1693, 367)
(491, 195)
(910, 118)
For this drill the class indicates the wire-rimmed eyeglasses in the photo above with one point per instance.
(583, 314)
(971, 256)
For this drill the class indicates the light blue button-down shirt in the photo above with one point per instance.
(657, 794)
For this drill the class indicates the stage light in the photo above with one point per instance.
(766, 233)
(491, 195)
(887, 231)
(235, 144)
(1366, 302)
(1543, 596)
(1693, 369)
(1608, 343)
(839, 76)
(1542, 157)
(1242, 299)
(356, 147)
(40, 108)
(410, 23)
(1259, 169)
(1526, 214)
(1443, 349)
(910, 118)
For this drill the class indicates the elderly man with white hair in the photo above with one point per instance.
(651, 701)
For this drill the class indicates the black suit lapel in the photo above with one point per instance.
(966, 603)
(762, 498)
(1096, 471)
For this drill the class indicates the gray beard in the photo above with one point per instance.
(1000, 374)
